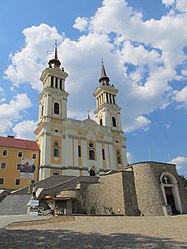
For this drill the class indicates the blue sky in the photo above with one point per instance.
(144, 46)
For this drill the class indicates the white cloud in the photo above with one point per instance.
(25, 129)
(181, 5)
(11, 112)
(140, 122)
(130, 158)
(28, 63)
(152, 48)
(81, 23)
(181, 163)
(2, 100)
(1, 89)
(168, 2)
(181, 96)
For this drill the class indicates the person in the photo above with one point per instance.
(34, 190)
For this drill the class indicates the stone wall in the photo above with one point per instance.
(183, 195)
(130, 198)
(148, 187)
(106, 197)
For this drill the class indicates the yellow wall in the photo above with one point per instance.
(10, 173)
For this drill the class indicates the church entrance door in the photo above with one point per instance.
(170, 199)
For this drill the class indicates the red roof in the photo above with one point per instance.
(10, 141)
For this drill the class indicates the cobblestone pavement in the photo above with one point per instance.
(83, 232)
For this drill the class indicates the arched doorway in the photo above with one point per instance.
(170, 192)
(92, 172)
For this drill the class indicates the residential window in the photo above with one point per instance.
(114, 121)
(2, 181)
(3, 165)
(18, 166)
(79, 151)
(5, 152)
(20, 154)
(103, 154)
(17, 182)
(56, 108)
(34, 155)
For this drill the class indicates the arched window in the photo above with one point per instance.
(56, 152)
(92, 172)
(79, 151)
(56, 108)
(113, 121)
(91, 155)
(101, 121)
(118, 157)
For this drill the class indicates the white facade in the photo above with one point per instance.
(73, 147)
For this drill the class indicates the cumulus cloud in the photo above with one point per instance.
(25, 129)
(130, 157)
(180, 5)
(181, 96)
(80, 23)
(181, 163)
(168, 2)
(140, 56)
(28, 63)
(12, 111)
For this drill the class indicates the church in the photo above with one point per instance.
(81, 166)
(73, 147)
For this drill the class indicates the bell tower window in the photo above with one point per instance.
(56, 108)
(56, 82)
(52, 81)
(113, 121)
(101, 121)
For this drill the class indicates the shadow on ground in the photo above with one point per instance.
(75, 240)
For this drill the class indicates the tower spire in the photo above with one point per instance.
(104, 80)
(54, 62)
(56, 53)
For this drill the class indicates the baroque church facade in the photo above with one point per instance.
(81, 166)
(73, 147)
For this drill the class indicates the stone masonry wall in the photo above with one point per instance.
(130, 198)
(106, 197)
(148, 188)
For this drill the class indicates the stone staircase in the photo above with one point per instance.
(45, 183)
(14, 204)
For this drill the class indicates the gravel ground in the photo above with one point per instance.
(82, 232)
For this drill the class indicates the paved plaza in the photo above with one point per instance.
(82, 232)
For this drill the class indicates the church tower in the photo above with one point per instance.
(107, 112)
(52, 112)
